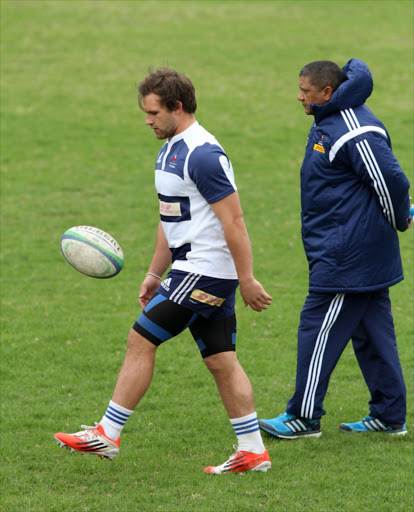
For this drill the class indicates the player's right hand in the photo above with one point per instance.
(147, 290)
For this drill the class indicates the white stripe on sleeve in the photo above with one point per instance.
(377, 178)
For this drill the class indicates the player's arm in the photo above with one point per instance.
(161, 260)
(229, 211)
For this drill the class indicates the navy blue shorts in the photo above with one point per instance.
(207, 296)
(203, 304)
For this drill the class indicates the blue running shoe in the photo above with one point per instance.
(371, 424)
(288, 426)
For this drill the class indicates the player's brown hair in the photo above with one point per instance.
(171, 87)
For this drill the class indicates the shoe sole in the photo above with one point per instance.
(293, 436)
(264, 466)
(298, 436)
(108, 455)
(387, 432)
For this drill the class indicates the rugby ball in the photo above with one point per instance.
(92, 251)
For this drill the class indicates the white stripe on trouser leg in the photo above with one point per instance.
(308, 400)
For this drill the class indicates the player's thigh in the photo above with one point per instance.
(162, 319)
(214, 336)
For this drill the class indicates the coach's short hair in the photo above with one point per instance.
(322, 73)
(171, 87)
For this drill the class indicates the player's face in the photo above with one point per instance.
(162, 121)
(308, 94)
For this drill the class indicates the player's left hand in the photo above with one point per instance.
(254, 295)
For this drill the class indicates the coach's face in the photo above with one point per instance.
(162, 121)
(308, 94)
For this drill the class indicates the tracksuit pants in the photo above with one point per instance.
(327, 323)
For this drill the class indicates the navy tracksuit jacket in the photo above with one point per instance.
(354, 199)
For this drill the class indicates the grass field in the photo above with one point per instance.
(75, 150)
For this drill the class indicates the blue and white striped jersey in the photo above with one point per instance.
(192, 172)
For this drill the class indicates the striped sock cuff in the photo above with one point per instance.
(246, 424)
(248, 434)
(117, 414)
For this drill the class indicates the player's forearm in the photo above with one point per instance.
(161, 259)
(239, 245)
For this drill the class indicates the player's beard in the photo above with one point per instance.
(168, 130)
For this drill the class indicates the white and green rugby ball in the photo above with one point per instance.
(92, 251)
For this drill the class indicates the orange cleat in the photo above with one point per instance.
(242, 461)
(91, 440)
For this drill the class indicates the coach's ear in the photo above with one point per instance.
(327, 93)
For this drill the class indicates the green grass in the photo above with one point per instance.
(75, 150)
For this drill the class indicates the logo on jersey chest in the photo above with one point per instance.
(173, 162)
(170, 209)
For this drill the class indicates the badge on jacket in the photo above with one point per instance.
(319, 146)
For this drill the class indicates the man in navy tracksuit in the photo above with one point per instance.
(354, 199)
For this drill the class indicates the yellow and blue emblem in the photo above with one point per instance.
(319, 146)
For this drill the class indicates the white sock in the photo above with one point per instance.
(114, 420)
(248, 434)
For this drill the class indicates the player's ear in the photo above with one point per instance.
(179, 107)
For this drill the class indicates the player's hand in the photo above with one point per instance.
(254, 295)
(147, 290)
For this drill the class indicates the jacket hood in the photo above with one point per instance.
(356, 89)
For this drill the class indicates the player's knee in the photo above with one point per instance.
(222, 362)
(137, 343)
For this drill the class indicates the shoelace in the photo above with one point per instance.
(90, 431)
(86, 427)
(236, 449)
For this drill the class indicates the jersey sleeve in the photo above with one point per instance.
(212, 172)
(373, 161)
